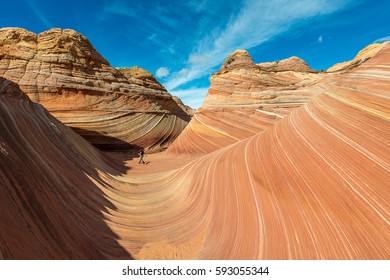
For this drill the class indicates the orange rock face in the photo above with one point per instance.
(245, 98)
(364, 55)
(312, 183)
(110, 107)
(49, 197)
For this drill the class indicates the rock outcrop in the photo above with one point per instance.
(290, 64)
(364, 55)
(246, 98)
(50, 199)
(311, 185)
(111, 108)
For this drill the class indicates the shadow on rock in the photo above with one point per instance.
(53, 187)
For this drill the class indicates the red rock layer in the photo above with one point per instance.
(111, 108)
(244, 99)
(61, 198)
(312, 186)
(49, 197)
(364, 55)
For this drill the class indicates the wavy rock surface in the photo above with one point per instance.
(49, 197)
(245, 98)
(364, 55)
(61, 70)
(314, 185)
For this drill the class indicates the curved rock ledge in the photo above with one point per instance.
(313, 185)
(61, 70)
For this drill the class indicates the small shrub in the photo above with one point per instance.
(230, 60)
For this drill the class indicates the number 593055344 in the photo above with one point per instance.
(242, 270)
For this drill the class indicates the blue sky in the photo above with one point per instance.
(184, 42)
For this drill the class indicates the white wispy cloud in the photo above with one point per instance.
(382, 40)
(162, 72)
(155, 39)
(154, 25)
(255, 23)
(163, 15)
(192, 97)
(38, 13)
(197, 5)
(121, 8)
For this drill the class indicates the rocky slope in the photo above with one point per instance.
(110, 107)
(246, 98)
(364, 55)
(50, 199)
(313, 185)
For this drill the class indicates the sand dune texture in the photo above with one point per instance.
(111, 108)
(299, 170)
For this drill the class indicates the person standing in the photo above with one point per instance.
(141, 154)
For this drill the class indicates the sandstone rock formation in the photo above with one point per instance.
(316, 183)
(312, 185)
(50, 203)
(110, 107)
(245, 98)
(291, 64)
(364, 55)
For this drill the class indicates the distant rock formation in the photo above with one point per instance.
(239, 59)
(364, 55)
(311, 184)
(246, 98)
(315, 185)
(187, 109)
(290, 64)
(61, 70)
(240, 82)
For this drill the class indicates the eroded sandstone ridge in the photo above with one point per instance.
(111, 108)
(364, 55)
(304, 183)
(245, 98)
(49, 176)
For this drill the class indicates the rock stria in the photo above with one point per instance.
(111, 108)
(245, 98)
(303, 183)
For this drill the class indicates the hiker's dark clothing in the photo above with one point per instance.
(141, 157)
